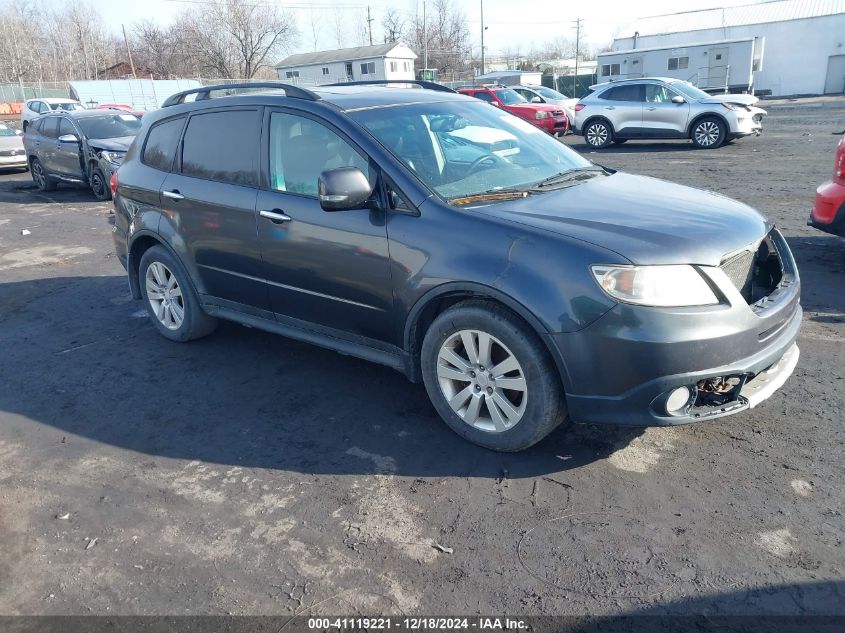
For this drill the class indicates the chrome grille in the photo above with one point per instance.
(739, 268)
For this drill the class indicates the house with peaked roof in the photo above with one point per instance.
(393, 60)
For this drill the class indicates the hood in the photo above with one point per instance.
(646, 220)
(740, 99)
(11, 142)
(120, 144)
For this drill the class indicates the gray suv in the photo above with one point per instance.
(523, 286)
(84, 146)
(658, 108)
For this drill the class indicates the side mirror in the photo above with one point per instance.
(678, 99)
(536, 100)
(68, 138)
(343, 189)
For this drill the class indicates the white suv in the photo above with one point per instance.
(660, 108)
(36, 107)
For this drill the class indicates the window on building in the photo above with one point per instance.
(292, 74)
(160, 148)
(393, 67)
(325, 70)
(678, 63)
(368, 69)
(236, 130)
(407, 67)
(608, 70)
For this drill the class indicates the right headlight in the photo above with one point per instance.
(659, 286)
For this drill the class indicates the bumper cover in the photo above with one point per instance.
(828, 213)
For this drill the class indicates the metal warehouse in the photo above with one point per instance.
(798, 47)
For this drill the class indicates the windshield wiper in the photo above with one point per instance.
(579, 173)
(510, 193)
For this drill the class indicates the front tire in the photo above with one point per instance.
(598, 134)
(490, 378)
(99, 185)
(169, 296)
(40, 177)
(708, 133)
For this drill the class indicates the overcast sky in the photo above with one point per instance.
(512, 24)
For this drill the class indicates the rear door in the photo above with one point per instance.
(210, 200)
(662, 117)
(328, 269)
(47, 142)
(623, 107)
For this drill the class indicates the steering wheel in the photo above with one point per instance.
(481, 160)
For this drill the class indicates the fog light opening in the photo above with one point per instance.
(678, 400)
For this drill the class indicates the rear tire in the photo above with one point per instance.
(170, 299)
(40, 177)
(598, 134)
(708, 133)
(490, 378)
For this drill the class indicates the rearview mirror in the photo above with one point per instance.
(678, 99)
(343, 189)
(68, 138)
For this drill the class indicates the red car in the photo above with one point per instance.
(121, 106)
(828, 212)
(549, 118)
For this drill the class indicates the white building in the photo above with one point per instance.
(804, 41)
(393, 60)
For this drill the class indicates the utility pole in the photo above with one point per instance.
(482, 37)
(577, 28)
(370, 24)
(425, 40)
(128, 52)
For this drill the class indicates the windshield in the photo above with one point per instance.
(462, 149)
(69, 106)
(689, 90)
(548, 93)
(510, 97)
(4, 131)
(109, 126)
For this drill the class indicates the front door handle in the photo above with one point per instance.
(173, 195)
(275, 215)
(651, 108)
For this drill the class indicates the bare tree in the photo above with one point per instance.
(444, 33)
(393, 25)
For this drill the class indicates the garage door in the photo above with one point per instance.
(835, 83)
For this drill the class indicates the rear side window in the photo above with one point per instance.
(222, 146)
(624, 93)
(160, 149)
(50, 127)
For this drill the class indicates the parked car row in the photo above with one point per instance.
(549, 117)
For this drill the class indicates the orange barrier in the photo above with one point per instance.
(11, 108)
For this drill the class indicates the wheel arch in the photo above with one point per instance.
(705, 115)
(142, 241)
(437, 300)
(598, 117)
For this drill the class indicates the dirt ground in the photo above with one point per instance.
(250, 474)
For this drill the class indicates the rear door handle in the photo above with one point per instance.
(610, 107)
(275, 215)
(651, 108)
(173, 195)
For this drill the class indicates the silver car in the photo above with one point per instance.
(12, 152)
(661, 108)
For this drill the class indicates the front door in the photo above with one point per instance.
(328, 269)
(210, 201)
(662, 117)
(717, 75)
(835, 82)
(67, 159)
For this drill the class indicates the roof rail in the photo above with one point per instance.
(205, 92)
(428, 85)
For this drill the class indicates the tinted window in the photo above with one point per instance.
(66, 127)
(110, 126)
(222, 146)
(624, 93)
(301, 148)
(484, 96)
(50, 127)
(161, 144)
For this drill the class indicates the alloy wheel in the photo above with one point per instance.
(98, 186)
(482, 381)
(165, 296)
(38, 174)
(597, 134)
(707, 133)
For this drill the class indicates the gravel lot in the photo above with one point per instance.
(250, 474)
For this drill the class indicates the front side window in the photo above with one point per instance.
(655, 93)
(368, 68)
(66, 127)
(548, 93)
(461, 149)
(301, 149)
(689, 90)
(160, 149)
(110, 126)
(222, 146)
